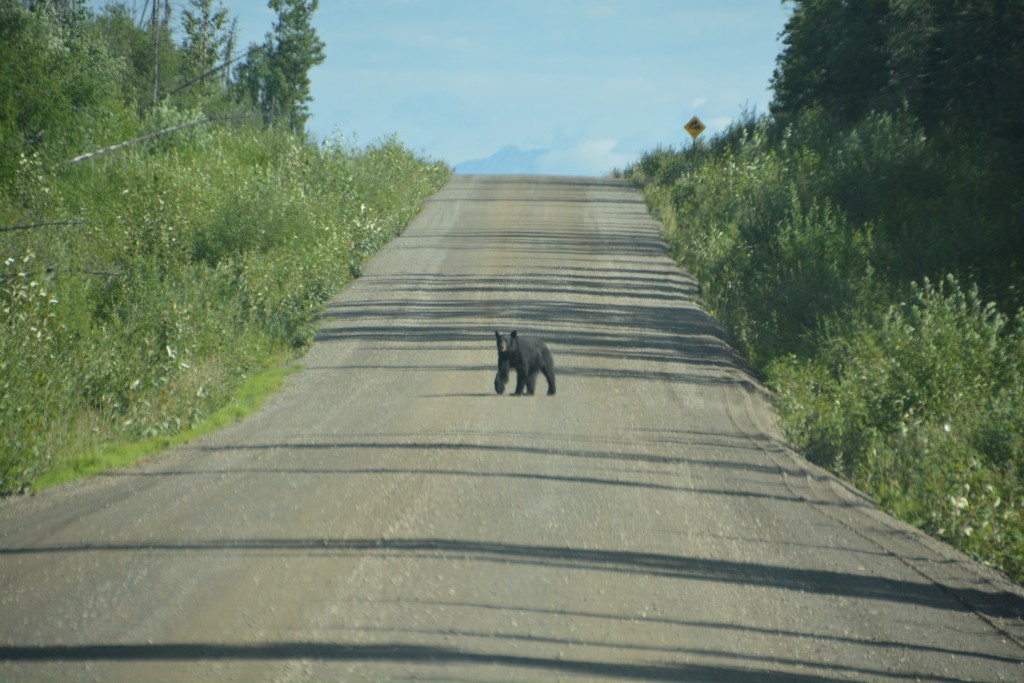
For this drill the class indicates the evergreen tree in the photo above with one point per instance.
(834, 58)
(276, 74)
(205, 45)
(206, 35)
(954, 64)
(68, 12)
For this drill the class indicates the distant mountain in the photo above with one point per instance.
(510, 159)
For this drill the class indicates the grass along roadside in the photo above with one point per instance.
(187, 267)
(163, 237)
(248, 398)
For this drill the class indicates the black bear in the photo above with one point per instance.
(528, 357)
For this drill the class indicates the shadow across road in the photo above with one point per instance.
(399, 653)
(750, 574)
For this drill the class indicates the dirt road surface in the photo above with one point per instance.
(387, 516)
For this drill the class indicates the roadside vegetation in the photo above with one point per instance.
(864, 244)
(141, 287)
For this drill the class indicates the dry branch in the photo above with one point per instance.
(30, 226)
(157, 134)
(206, 74)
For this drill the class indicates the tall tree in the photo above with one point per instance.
(206, 40)
(953, 63)
(67, 11)
(276, 74)
(834, 58)
(978, 65)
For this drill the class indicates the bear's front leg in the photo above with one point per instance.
(531, 382)
(520, 382)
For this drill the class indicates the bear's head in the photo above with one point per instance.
(504, 342)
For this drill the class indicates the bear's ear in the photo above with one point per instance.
(513, 334)
(497, 334)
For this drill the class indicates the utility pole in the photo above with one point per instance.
(155, 27)
(229, 50)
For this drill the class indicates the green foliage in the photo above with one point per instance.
(28, 390)
(196, 264)
(864, 248)
(132, 48)
(953, 63)
(276, 75)
(72, 84)
(247, 398)
(206, 55)
(139, 289)
(206, 36)
(774, 263)
(923, 406)
(833, 56)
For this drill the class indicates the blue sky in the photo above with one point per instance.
(543, 86)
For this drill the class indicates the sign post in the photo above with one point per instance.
(694, 127)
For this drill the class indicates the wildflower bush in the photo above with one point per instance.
(178, 271)
(868, 273)
(140, 287)
(922, 406)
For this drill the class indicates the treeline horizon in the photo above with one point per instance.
(76, 80)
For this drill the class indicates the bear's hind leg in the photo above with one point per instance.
(549, 375)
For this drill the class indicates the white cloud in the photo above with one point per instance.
(421, 39)
(720, 122)
(698, 102)
(585, 157)
(594, 157)
(600, 12)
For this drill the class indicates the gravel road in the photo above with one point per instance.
(387, 516)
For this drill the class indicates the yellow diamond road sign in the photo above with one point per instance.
(694, 127)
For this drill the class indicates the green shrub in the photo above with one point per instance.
(922, 406)
(772, 263)
(187, 265)
(807, 240)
